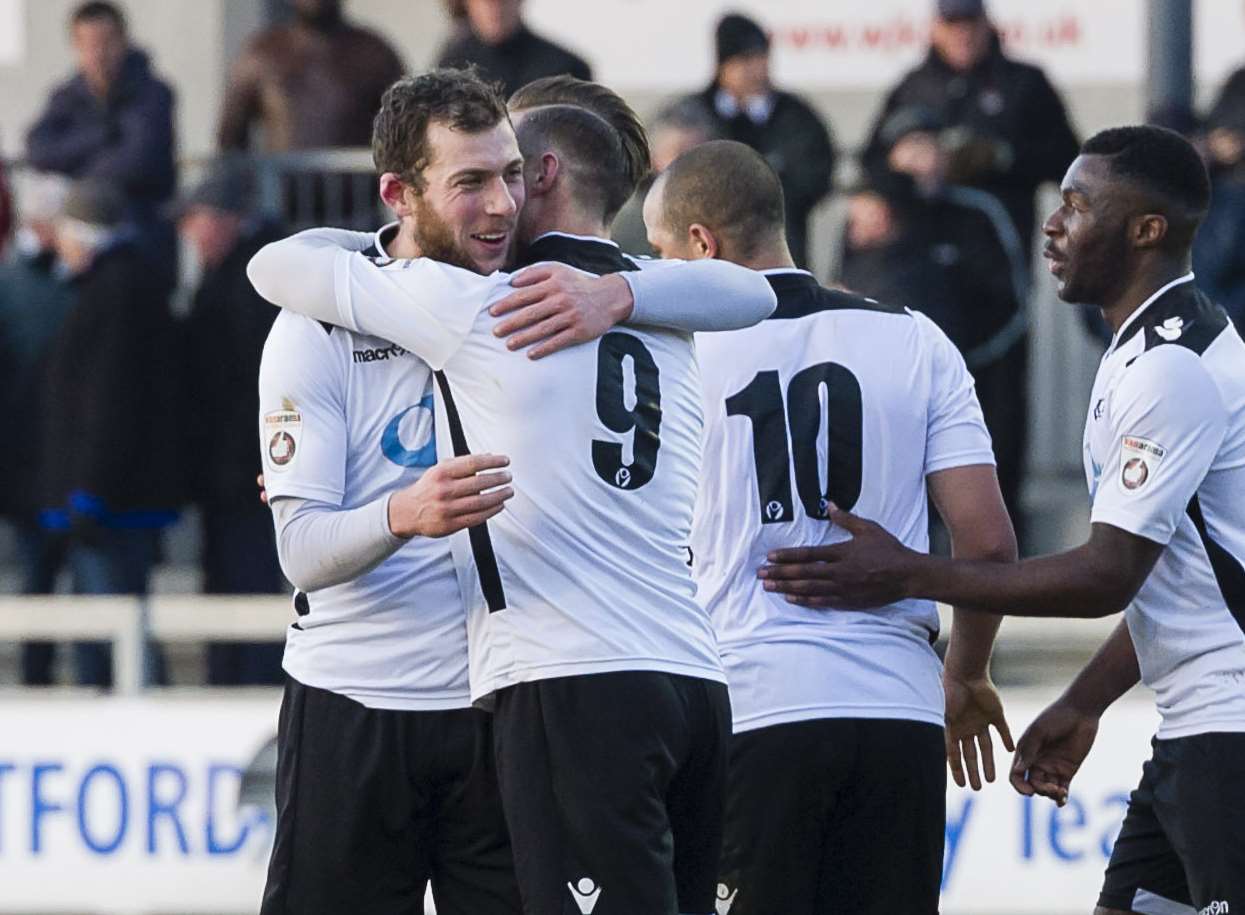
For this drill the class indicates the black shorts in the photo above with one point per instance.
(835, 815)
(613, 786)
(1183, 838)
(374, 804)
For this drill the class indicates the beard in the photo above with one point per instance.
(436, 240)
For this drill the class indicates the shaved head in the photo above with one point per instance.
(724, 187)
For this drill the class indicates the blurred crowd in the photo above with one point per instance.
(120, 415)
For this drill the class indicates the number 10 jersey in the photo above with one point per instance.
(834, 398)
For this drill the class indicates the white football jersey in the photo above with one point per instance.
(586, 569)
(1165, 459)
(344, 419)
(834, 398)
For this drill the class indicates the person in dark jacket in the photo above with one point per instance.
(951, 252)
(493, 37)
(779, 125)
(112, 120)
(1008, 129)
(34, 301)
(224, 338)
(1219, 251)
(111, 464)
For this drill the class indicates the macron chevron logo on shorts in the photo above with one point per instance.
(585, 893)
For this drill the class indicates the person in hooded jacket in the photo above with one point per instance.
(1008, 131)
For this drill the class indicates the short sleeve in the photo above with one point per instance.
(422, 305)
(1167, 421)
(956, 434)
(302, 411)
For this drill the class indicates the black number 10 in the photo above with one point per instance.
(761, 401)
(644, 418)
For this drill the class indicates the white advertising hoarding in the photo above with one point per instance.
(664, 46)
(130, 806)
(12, 33)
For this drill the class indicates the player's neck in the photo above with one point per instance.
(1146, 283)
(571, 224)
(775, 257)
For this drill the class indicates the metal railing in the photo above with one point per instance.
(129, 622)
(1028, 651)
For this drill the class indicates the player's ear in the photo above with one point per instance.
(548, 168)
(1148, 231)
(393, 191)
(702, 241)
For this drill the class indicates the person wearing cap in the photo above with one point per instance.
(224, 337)
(1007, 131)
(491, 35)
(34, 301)
(110, 467)
(784, 129)
(916, 238)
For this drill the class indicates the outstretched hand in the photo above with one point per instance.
(1051, 750)
(864, 572)
(973, 706)
(555, 306)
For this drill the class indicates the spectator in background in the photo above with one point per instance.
(1009, 131)
(224, 337)
(786, 131)
(34, 301)
(1219, 250)
(680, 126)
(111, 465)
(313, 83)
(951, 252)
(113, 120)
(491, 35)
(6, 211)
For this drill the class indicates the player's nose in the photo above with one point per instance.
(500, 201)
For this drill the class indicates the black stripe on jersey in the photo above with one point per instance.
(800, 295)
(481, 542)
(599, 257)
(1183, 316)
(1227, 568)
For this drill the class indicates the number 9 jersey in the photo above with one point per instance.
(834, 398)
(585, 571)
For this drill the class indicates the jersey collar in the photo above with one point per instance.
(603, 241)
(379, 238)
(777, 271)
(1133, 323)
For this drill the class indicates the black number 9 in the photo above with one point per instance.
(644, 418)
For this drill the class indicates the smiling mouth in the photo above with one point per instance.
(492, 239)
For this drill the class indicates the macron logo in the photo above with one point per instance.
(725, 900)
(378, 355)
(585, 893)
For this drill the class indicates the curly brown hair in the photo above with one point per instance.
(460, 99)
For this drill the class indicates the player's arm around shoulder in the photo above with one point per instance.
(554, 306)
(300, 272)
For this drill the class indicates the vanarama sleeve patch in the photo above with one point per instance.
(282, 431)
(1139, 461)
